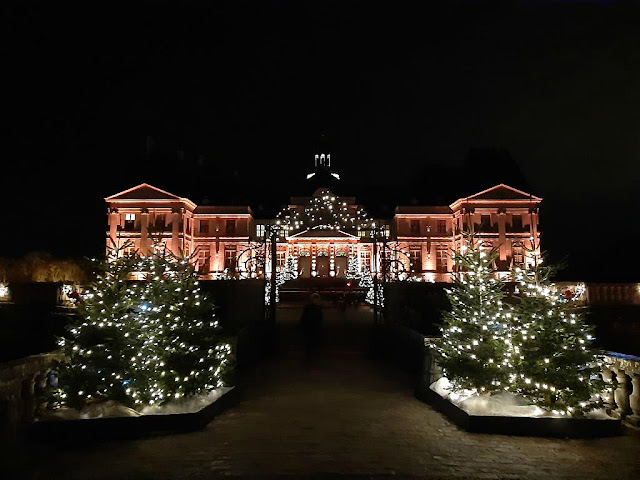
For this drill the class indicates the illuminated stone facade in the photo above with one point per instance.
(323, 232)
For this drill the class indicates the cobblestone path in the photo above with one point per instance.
(345, 415)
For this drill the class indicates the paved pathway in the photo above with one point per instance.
(343, 416)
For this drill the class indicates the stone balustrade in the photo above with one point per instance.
(613, 293)
(621, 374)
(19, 384)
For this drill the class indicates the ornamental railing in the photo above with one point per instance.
(621, 374)
(613, 293)
(20, 382)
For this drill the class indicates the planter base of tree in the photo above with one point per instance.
(99, 429)
(526, 426)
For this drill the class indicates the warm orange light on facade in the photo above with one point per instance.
(501, 216)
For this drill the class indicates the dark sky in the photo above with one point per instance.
(227, 103)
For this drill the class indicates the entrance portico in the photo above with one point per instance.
(323, 252)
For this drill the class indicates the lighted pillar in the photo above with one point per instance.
(502, 237)
(212, 253)
(427, 258)
(114, 221)
(534, 227)
(175, 232)
(144, 231)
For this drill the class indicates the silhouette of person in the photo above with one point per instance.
(311, 324)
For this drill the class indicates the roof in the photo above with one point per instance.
(144, 191)
(408, 210)
(215, 209)
(317, 232)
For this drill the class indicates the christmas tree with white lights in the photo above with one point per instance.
(556, 370)
(366, 281)
(290, 269)
(353, 269)
(476, 347)
(142, 342)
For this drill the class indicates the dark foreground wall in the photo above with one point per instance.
(416, 305)
(239, 303)
(240, 309)
(30, 323)
(617, 327)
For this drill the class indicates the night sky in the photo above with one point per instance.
(227, 104)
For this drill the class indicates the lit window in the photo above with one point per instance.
(260, 230)
(230, 259)
(518, 255)
(441, 258)
(362, 233)
(387, 231)
(416, 259)
(365, 259)
(129, 221)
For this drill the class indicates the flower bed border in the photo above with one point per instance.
(110, 428)
(527, 426)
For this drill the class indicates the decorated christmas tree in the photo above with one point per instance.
(290, 269)
(142, 342)
(556, 369)
(476, 347)
(370, 297)
(366, 280)
(353, 268)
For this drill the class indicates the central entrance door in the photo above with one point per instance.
(322, 266)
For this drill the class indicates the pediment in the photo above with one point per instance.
(144, 191)
(503, 192)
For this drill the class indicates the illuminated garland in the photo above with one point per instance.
(324, 211)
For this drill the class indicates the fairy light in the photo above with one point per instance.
(138, 321)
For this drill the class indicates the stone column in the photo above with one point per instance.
(332, 259)
(114, 221)
(175, 232)
(211, 266)
(502, 237)
(621, 394)
(144, 231)
(534, 225)
(608, 397)
(634, 400)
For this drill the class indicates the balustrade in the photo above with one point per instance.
(20, 382)
(621, 375)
